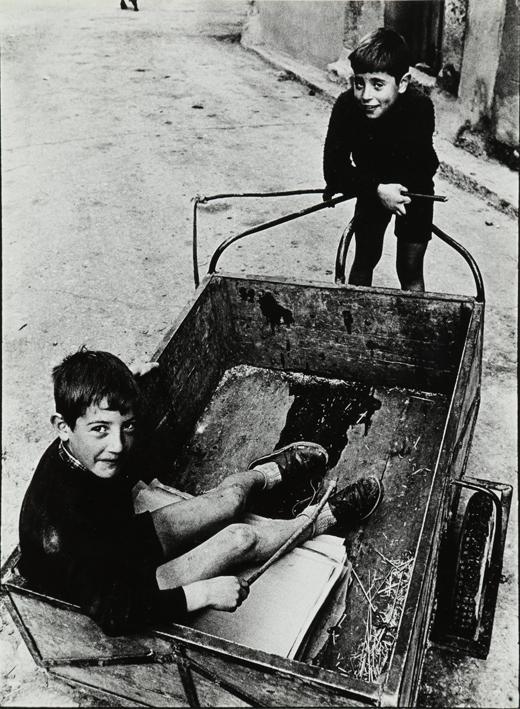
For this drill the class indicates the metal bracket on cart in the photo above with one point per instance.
(470, 564)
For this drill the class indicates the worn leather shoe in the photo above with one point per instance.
(296, 460)
(357, 501)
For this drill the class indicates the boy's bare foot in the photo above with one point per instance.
(357, 501)
(296, 460)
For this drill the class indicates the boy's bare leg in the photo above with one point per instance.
(183, 525)
(237, 544)
(253, 543)
(409, 264)
(190, 522)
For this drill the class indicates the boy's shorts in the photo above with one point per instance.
(415, 228)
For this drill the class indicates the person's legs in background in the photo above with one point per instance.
(409, 265)
(370, 220)
(413, 233)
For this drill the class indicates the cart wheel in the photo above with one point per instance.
(473, 560)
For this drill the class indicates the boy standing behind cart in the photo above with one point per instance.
(378, 148)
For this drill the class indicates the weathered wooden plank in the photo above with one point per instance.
(189, 640)
(404, 681)
(403, 677)
(466, 395)
(66, 636)
(156, 386)
(369, 445)
(274, 688)
(105, 697)
(342, 333)
(62, 634)
(321, 357)
(370, 433)
(150, 685)
(192, 359)
(355, 311)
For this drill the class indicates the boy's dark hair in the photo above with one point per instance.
(87, 377)
(381, 50)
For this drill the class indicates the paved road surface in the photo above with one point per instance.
(111, 122)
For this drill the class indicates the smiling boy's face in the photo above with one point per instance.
(377, 91)
(100, 439)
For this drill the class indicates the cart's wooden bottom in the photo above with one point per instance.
(390, 432)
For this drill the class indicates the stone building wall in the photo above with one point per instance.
(481, 57)
(361, 18)
(454, 33)
(506, 107)
(479, 49)
(310, 30)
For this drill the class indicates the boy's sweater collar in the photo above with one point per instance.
(70, 460)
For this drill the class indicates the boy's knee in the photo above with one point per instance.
(242, 538)
(234, 499)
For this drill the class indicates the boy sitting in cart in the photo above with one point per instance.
(379, 148)
(81, 541)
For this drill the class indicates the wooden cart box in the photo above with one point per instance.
(389, 382)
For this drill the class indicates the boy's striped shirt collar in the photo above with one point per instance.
(67, 457)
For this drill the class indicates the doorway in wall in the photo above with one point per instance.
(420, 23)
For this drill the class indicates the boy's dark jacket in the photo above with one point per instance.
(395, 148)
(81, 541)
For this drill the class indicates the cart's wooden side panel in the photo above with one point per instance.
(151, 685)
(129, 668)
(348, 333)
(60, 633)
(404, 676)
(466, 397)
(104, 698)
(143, 668)
(157, 685)
(192, 359)
(271, 687)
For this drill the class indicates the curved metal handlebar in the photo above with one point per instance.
(348, 233)
(267, 225)
(479, 283)
(201, 199)
(341, 255)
